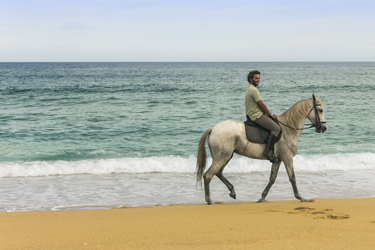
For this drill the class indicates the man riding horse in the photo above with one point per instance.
(258, 112)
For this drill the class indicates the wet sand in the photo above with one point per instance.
(319, 224)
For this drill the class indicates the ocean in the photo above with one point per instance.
(108, 135)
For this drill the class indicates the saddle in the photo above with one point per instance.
(256, 133)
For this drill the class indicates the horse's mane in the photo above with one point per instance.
(295, 113)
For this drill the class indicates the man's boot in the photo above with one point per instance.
(268, 152)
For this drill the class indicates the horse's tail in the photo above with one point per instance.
(201, 158)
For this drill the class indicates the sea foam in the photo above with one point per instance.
(176, 164)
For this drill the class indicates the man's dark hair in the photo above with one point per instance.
(251, 74)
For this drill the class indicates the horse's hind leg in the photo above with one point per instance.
(227, 183)
(216, 167)
(274, 171)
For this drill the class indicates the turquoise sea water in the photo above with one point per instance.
(114, 134)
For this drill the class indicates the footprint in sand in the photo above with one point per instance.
(311, 211)
(338, 217)
(331, 215)
(304, 208)
(318, 212)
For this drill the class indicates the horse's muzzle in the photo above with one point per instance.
(320, 128)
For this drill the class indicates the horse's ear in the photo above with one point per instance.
(313, 96)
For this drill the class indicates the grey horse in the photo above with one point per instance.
(228, 137)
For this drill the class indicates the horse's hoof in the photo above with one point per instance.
(261, 200)
(210, 202)
(301, 199)
(232, 195)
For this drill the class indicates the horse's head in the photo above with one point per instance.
(316, 115)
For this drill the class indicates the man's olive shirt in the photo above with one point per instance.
(252, 97)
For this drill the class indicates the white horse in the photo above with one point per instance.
(228, 137)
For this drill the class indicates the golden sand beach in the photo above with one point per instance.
(320, 224)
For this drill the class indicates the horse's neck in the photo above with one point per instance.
(296, 115)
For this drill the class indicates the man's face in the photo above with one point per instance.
(256, 79)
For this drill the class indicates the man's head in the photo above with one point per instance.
(254, 77)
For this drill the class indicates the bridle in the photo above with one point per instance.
(318, 123)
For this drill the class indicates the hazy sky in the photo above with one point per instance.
(190, 30)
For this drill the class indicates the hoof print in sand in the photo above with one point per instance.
(338, 217)
(312, 212)
(321, 214)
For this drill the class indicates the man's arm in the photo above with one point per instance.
(264, 108)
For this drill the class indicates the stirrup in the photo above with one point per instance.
(271, 157)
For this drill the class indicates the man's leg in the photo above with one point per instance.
(269, 124)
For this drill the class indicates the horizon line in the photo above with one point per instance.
(184, 61)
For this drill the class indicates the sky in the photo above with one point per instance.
(190, 30)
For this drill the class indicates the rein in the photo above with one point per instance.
(311, 126)
(318, 123)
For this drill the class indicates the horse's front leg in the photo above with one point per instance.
(274, 171)
(292, 178)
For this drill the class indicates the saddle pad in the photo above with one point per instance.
(253, 134)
